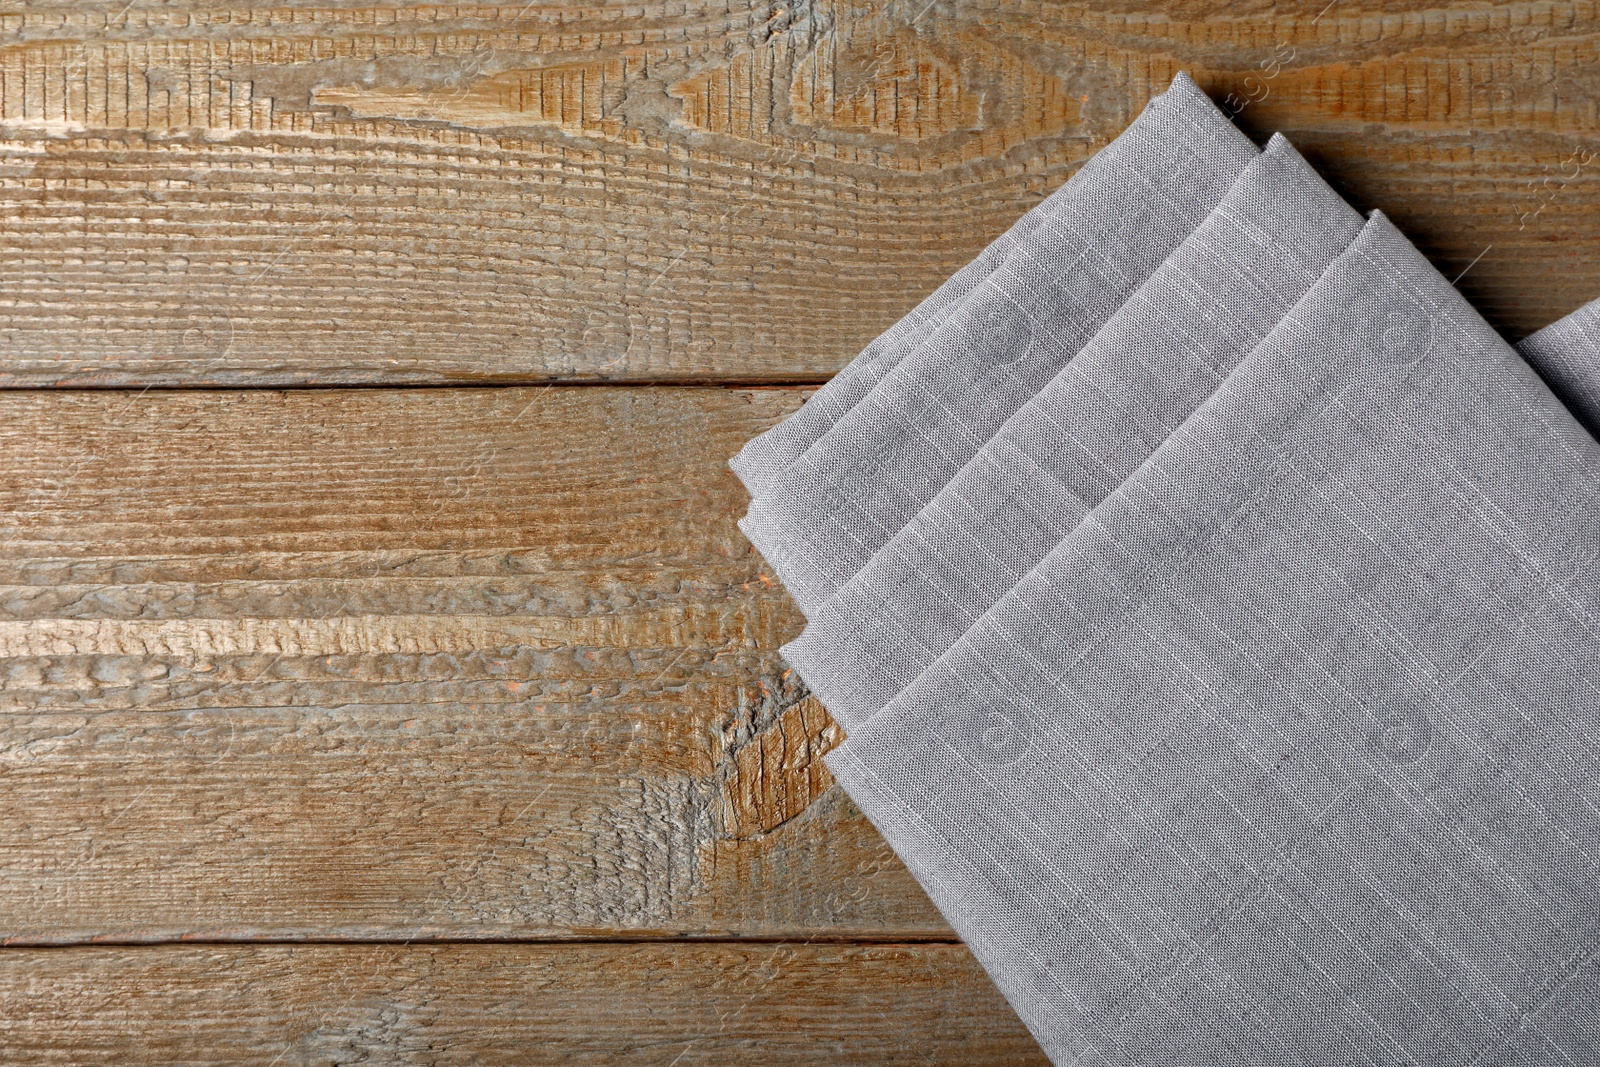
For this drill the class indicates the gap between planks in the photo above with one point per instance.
(821, 940)
(722, 382)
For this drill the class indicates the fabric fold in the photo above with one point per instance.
(1288, 752)
(1566, 354)
(1157, 357)
(863, 480)
(764, 458)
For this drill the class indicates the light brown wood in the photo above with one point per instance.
(517, 1006)
(413, 663)
(221, 192)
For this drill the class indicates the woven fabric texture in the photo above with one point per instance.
(763, 459)
(864, 479)
(1567, 355)
(1147, 369)
(1290, 752)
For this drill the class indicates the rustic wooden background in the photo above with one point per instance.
(440, 725)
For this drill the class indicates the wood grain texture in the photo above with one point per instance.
(517, 1006)
(408, 664)
(219, 192)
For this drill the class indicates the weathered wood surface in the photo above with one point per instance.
(518, 1006)
(222, 192)
(408, 664)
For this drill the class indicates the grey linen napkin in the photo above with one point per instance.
(1290, 752)
(864, 479)
(1156, 358)
(1566, 354)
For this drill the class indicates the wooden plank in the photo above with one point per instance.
(521, 1006)
(408, 664)
(207, 192)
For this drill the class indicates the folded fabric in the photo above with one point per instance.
(1566, 354)
(764, 458)
(1154, 361)
(864, 479)
(1290, 752)
(767, 455)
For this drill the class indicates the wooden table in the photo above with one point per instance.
(384, 679)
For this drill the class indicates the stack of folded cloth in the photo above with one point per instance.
(1211, 600)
